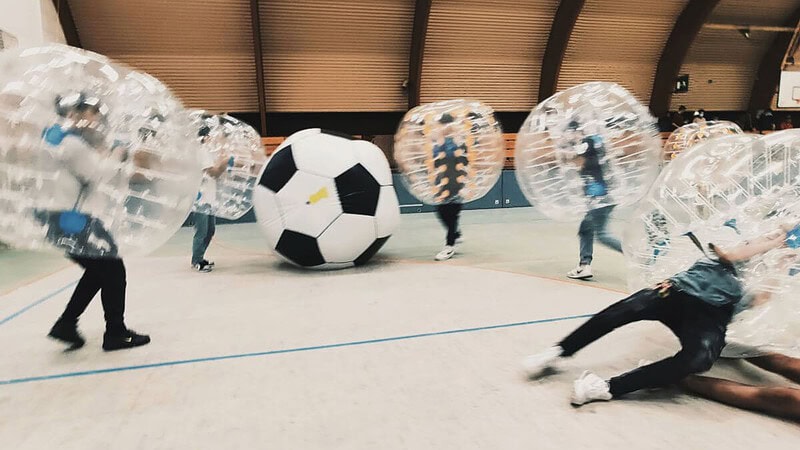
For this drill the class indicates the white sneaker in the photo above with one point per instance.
(589, 388)
(535, 365)
(580, 273)
(736, 350)
(447, 252)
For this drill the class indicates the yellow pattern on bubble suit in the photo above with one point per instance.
(450, 151)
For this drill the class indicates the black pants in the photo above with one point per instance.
(448, 214)
(106, 276)
(699, 326)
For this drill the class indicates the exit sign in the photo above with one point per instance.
(682, 83)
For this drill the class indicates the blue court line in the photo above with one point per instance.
(37, 302)
(289, 350)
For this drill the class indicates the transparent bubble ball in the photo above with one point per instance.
(95, 158)
(590, 146)
(450, 152)
(233, 152)
(693, 133)
(726, 191)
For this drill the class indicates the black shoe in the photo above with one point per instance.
(124, 340)
(208, 263)
(202, 266)
(68, 334)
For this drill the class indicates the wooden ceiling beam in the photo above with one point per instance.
(686, 28)
(258, 52)
(419, 33)
(67, 23)
(560, 33)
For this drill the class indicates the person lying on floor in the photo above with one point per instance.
(696, 305)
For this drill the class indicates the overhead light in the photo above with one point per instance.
(745, 32)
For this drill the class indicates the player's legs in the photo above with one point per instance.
(700, 327)
(643, 305)
(600, 219)
(777, 401)
(448, 214)
(785, 366)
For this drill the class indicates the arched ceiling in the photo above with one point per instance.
(353, 56)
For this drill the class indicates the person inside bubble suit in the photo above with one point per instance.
(780, 401)
(696, 304)
(80, 148)
(592, 162)
(450, 162)
(204, 220)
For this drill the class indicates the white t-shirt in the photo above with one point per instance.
(77, 166)
(208, 189)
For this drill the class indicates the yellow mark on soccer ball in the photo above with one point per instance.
(317, 196)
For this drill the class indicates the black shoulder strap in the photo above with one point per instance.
(699, 246)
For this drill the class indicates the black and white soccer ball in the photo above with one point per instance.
(326, 201)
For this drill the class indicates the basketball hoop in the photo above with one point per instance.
(796, 95)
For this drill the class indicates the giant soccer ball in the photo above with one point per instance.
(326, 201)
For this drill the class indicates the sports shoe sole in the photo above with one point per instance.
(124, 346)
(72, 345)
(581, 277)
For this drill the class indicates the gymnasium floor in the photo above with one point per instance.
(404, 353)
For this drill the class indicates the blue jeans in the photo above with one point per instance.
(204, 227)
(595, 224)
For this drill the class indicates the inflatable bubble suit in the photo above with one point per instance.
(326, 201)
(95, 158)
(225, 141)
(725, 191)
(450, 151)
(590, 146)
(694, 133)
